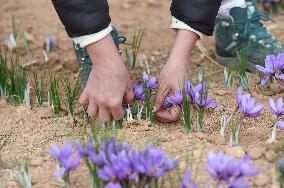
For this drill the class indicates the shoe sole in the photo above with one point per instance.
(232, 62)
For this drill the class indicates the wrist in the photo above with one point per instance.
(104, 52)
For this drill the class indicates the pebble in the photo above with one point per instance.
(237, 152)
(36, 162)
(270, 155)
(3, 103)
(262, 180)
(58, 68)
(256, 153)
(200, 136)
(197, 153)
(12, 184)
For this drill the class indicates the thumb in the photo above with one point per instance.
(161, 96)
(84, 99)
(129, 94)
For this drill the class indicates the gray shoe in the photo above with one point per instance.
(243, 31)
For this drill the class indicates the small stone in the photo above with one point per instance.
(12, 184)
(256, 153)
(237, 152)
(36, 162)
(220, 140)
(200, 136)
(3, 103)
(270, 155)
(197, 154)
(58, 68)
(262, 180)
(221, 92)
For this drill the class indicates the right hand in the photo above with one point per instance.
(109, 83)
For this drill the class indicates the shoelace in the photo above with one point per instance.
(253, 26)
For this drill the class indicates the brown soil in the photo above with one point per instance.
(29, 133)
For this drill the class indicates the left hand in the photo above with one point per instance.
(172, 79)
(174, 74)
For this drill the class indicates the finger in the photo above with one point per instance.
(92, 109)
(161, 96)
(84, 99)
(129, 95)
(169, 115)
(118, 113)
(104, 115)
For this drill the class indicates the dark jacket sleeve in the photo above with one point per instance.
(82, 17)
(198, 14)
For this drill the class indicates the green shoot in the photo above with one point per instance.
(4, 75)
(228, 78)
(136, 43)
(16, 28)
(54, 96)
(22, 176)
(242, 67)
(16, 82)
(187, 117)
(148, 105)
(39, 83)
(71, 95)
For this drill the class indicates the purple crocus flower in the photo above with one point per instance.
(51, 43)
(280, 125)
(248, 105)
(113, 185)
(186, 181)
(153, 162)
(152, 83)
(245, 168)
(82, 150)
(273, 67)
(191, 91)
(65, 157)
(138, 91)
(204, 101)
(220, 166)
(175, 99)
(276, 107)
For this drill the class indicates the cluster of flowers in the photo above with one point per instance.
(274, 68)
(197, 96)
(225, 171)
(118, 163)
(276, 108)
(147, 82)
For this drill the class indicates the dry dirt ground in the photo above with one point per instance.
(29, 133)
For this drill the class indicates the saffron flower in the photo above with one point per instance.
(175, 99)
(225, 169)
(192, 90)
(150, 82)
(82, 150)
(248, 105)
(186, 181)
(152, 162)
(51, 43)
(138, 91)
(276, 107)
(204, 101)
(274, 65)
(280, 125)
(66, 158)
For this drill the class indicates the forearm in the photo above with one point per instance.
(101, 49)
(184, 43)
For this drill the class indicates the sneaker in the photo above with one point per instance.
(84, 59)
(243, 31)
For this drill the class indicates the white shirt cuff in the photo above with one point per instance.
(85, 40)
(177, 24)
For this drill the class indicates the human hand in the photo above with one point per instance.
(174, 74)
(108, 84)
